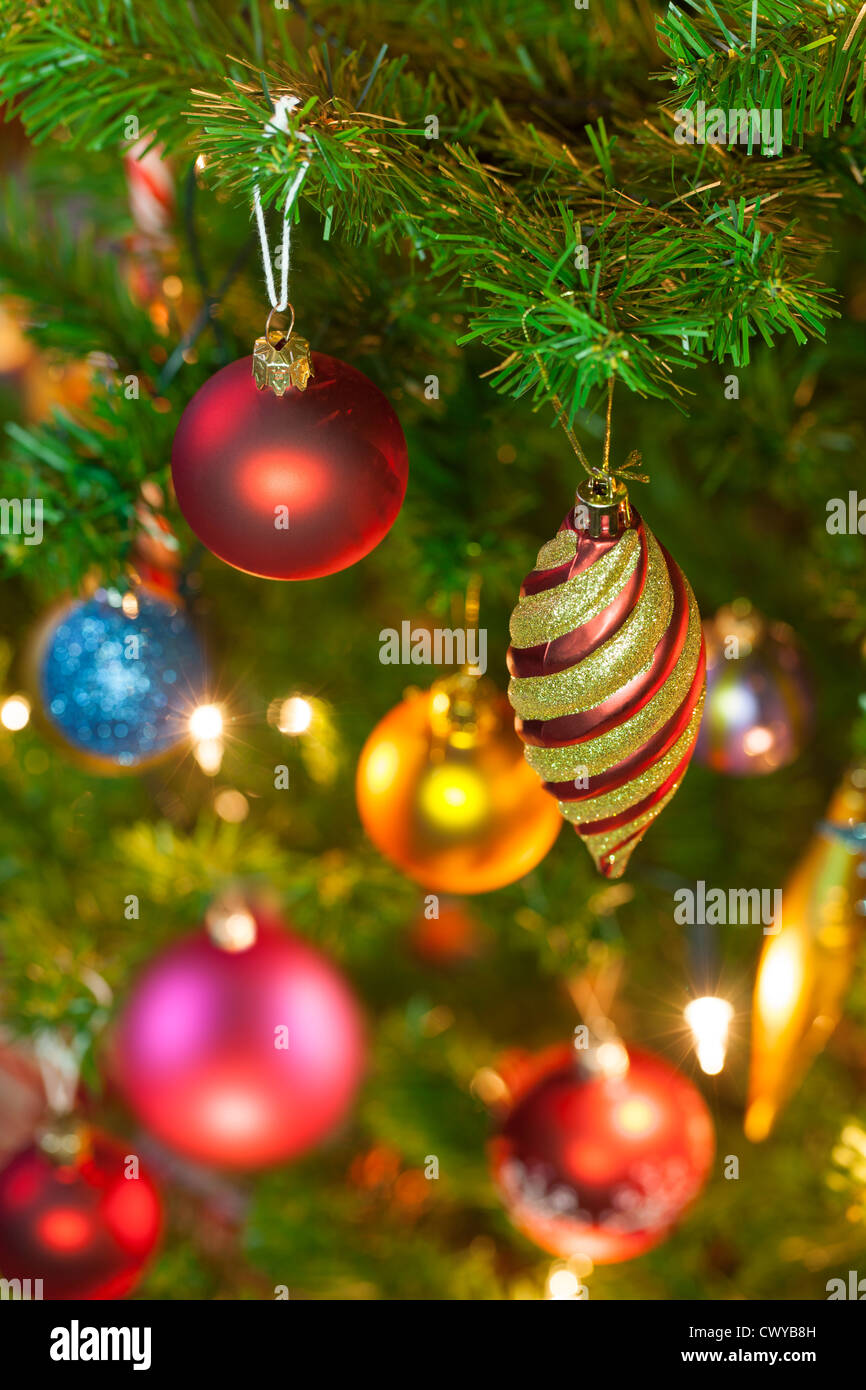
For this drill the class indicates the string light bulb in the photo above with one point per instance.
(562, 1285)
(209, 755)
(296, 716)
(231, 926)
(15, 713)
(611, 1059)
(206, 722)
(205, 727)
(564, 1280)
(709, 1019)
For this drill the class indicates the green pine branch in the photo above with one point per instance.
(608, 250)
(803, 57)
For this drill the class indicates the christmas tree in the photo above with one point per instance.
(602, 245)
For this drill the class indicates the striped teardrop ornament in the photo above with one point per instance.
(608, 673)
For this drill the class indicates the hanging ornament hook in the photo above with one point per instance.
(59, 1063)
(230, 924)
(278, 338)
(281, 360)
(63, 1137)
(606, 461)
(560, 411)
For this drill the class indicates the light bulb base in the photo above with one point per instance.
(65, 1139)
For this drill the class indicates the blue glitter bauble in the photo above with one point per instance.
(120, 686)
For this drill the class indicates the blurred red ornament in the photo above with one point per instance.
(602, 1163)
(291, 486)
(78, 1223)
(445, 933)
(241, 1054)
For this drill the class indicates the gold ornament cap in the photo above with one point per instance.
(65, 1139)
(601, 507)
(738, 619)
(230, 924)
(461, 710)
(281, 359)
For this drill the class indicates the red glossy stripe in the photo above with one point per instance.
(648, 753)
(586, 554)
(577, 728)
(547, 658)
(599, 827)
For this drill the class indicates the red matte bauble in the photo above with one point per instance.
(83, 1227)
(240, 1058)
(603, 1165)
(294, 486)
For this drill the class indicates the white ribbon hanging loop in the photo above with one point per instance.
(279, 124)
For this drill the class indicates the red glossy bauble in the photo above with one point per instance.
(294, 486)
(240, 1058)
(83, 1227)
(602, 1165)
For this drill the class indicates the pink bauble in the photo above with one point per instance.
(294, 486)
(240, 1058)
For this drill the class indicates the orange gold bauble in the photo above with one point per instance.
(445, 792)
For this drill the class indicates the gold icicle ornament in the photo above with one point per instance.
(805, 969)
(282, 358)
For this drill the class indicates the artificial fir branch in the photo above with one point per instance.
(690, 253)
(804, 57)
(477, 203)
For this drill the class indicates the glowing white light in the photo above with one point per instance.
(206, 722)
(758, 740)
(709, 1019)
(736, 705)
(233, 930)
(15, 713)
(209, 755)
(563, 1284)
(612, 1058)
(296, 715)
